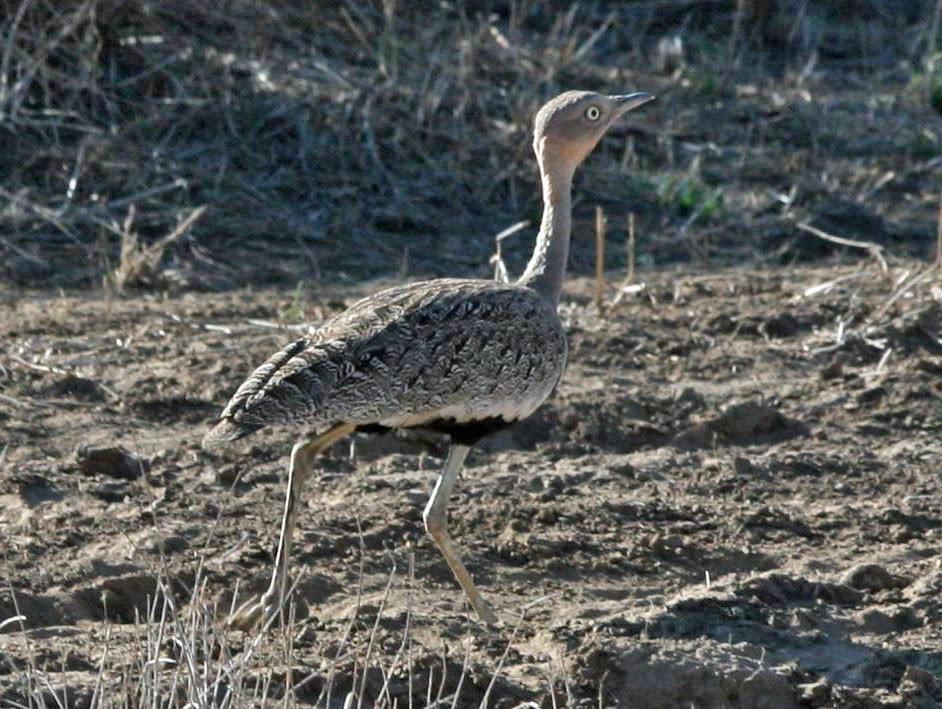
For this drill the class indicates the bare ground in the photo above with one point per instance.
(732, 501)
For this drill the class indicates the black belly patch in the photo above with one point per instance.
(465, 433)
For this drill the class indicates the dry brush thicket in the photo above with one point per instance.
(336, 140)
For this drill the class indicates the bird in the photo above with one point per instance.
(459, 356)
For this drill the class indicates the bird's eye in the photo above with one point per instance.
(593, 113)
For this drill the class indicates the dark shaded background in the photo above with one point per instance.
(341, 141)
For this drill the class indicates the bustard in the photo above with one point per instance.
(464, 357)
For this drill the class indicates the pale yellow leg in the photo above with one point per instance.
(435, 524)
(252, 612)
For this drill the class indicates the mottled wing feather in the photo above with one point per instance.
(262, 377)
(449, 348)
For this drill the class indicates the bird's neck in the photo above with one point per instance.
(547, 266)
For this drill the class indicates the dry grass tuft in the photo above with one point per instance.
(139, 264)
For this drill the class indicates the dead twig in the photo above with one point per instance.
(938, 236)
(501, 274)
(904, 287)
(875, 250)
(630, 247)
(600, 260)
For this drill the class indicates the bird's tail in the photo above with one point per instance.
(225, 432)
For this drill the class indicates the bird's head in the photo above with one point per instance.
(569, 126)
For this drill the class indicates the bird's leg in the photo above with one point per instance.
(435, 524)
(303, 454)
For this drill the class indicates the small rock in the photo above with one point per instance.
(115, 462)
(871, 395)
(833, 369)
(78, 388)
(917, 681)
(881, 622)
(930, 365)
(740, 424)
(872, 577)
(624, 468)
(815, 691)
(782, 325)
(743, 466)
(415, 497)
(776, 588)
(227, 474)
(109, 491)
(171, 544)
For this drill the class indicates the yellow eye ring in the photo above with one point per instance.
(593, 113)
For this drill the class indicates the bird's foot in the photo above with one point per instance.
(253, 613)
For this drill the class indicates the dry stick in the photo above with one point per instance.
(373, 633)
(627, 286)
(8, 52)
(288, 637)
(441, 685)
(45, 214)
(328, 687)
(408, 623)
(21, 618)
(37, 367)
(600, 260)
(737, 29)
(24, 254)
(501, 274)
(934, 27)
(405, 637)
(40, 54)
(586, 46)
(902, 290)
(500, 662)
(464, 672)
(938, 231)
(630, 276)
(551, 681)
(875, 250)
(179, 229)
(132, 199)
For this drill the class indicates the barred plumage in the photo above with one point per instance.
(461, 356)
(449, 349)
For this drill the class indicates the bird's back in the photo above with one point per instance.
(449, 349)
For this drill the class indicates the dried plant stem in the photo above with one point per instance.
(600, 260)
(501, 275)
(630, 248)
(938, 236)
(934, 29)
(737, 29)
(875, 250)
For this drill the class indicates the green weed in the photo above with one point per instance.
(689, 197)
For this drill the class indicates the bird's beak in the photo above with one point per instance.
(629, 102)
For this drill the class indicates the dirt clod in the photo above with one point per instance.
(738, 424)
(872, 577)
(113, 461)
